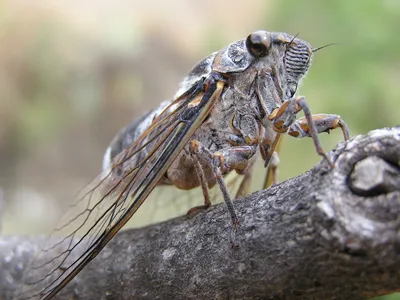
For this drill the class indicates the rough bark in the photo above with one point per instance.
(326, 234)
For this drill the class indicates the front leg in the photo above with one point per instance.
(323, 123)
(284, 119)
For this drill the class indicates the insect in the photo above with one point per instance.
(234, 104)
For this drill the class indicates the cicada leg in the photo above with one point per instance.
(310, 125)
(203, 183)
(271, 177)
(271, 159)
(235, 158)
(323, 123)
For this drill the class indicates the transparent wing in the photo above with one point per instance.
(107, 204)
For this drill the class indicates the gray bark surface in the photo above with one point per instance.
(326, 234)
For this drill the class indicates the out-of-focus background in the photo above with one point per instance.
(73, 73)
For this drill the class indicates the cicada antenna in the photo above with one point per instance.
(327, 45)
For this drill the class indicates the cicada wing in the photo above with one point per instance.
(103, 208)
(72, 240)
(167, 202)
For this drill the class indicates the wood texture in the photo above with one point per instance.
(326, 234)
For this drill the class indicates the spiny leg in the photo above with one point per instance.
(323, 123)
(284, 117)
(235, 158)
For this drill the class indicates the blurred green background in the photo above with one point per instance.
(73, 73)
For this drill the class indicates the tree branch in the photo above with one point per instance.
(326, 234)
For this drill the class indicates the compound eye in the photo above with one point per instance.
(258, 43)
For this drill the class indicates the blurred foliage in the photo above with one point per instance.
(360, 74)
(355, 79)
(72, 74)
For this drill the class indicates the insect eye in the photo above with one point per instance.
(258, 43)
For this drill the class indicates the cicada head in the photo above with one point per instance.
(288, 58)
(284, 56)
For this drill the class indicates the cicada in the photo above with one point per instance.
(232, 107)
